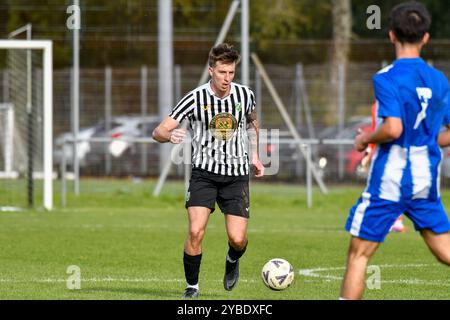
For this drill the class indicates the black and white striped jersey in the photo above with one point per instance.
(219, 128)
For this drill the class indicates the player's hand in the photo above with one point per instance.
(177, 136)
(366, 160)
(259, 168)
(361, 140)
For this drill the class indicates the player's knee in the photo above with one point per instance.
(444, 259)
(355, 254)
(238, 242)
(196, 235)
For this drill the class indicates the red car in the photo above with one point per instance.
(328, 154)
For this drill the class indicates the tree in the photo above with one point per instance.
(342, 32)
(124, 32)
(440, 28)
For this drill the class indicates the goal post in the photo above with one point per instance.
(46, 46)
(7, 140)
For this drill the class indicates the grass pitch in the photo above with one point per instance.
(129, 245)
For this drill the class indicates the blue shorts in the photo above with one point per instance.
(371, 218)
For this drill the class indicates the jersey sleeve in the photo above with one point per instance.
(251, 103)
(184, 108)
(387, 99)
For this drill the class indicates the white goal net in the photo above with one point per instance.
(26, 124)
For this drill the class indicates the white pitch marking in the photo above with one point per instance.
(108, 279)
(315, 273)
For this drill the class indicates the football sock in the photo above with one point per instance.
(233, 255)
(195, 287)
(192, 269)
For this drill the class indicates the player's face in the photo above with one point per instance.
(222, 74)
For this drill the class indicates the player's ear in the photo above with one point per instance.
(210, 70)
(392, 36)
(426, 38)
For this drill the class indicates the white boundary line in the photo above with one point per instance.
(316, 273)
(311, 273)
(107, 279)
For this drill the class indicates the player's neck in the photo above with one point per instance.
(218, 93)
(407, 51)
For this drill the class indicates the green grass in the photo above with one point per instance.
(129, 245)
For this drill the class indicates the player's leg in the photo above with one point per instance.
(237, 245)
(200, 202)
(430, 218)
(369, 222)
(233, 200)
(439, 245)
(237, 236)
(359, 254)
(198, 219)
(237, 233)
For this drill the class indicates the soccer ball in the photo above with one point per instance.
(277, 274)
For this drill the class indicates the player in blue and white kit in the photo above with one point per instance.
(412, 105)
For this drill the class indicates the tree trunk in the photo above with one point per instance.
(342, 31)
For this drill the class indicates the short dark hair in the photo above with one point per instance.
(410, 21)
(224, 53)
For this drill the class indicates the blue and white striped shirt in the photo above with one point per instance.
(408, 167)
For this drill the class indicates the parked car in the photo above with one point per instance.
(291, 161)
(124, 153)
(328, 154)
(63, 146)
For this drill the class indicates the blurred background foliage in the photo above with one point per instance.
(125, 32)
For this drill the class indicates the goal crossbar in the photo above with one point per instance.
(47, 47)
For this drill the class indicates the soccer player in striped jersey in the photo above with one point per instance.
(222, 119)
(413, 103)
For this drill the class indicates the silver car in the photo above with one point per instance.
(98, 144)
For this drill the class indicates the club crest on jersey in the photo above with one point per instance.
(206, 108)
(238, 107)
(223, 125)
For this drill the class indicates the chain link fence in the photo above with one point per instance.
(121, 104)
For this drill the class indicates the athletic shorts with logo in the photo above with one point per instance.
(230, 192)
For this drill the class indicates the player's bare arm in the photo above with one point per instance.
(391, 129)
(167, 132)
(253, 136)
(444, 138)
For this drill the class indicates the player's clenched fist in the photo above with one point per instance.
(361, 140)
(177, 136)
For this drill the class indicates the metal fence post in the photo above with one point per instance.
(258, 92)
(308, 176)
(63, 175)
(108, 107)
(144, 103)
(341, 118)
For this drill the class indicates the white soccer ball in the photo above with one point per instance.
(277, 274)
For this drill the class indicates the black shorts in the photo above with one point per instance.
(231, 193)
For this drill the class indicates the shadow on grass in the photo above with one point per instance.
(150, 293)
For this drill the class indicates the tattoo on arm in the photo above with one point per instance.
(253, 132)
(251, 116)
